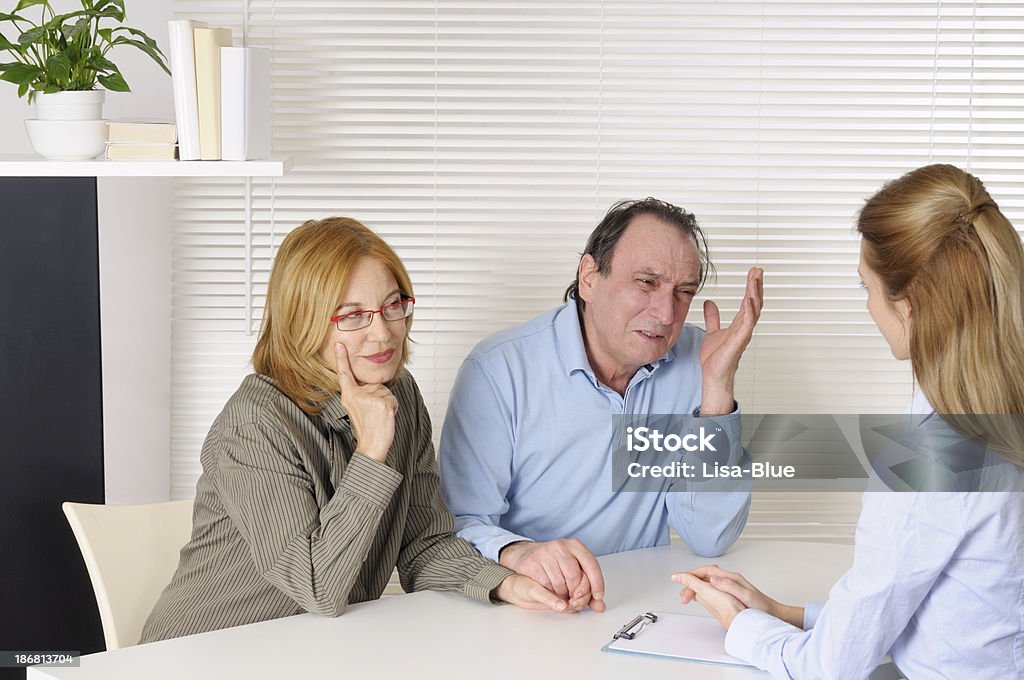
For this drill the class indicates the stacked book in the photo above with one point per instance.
(221, 94)
(141, 141)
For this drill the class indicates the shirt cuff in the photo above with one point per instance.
(369, 480)
(742, 636)
(732, 428)
(486, 580)
(491, 548)
(745, 636)
(812, 610)
(735, 411)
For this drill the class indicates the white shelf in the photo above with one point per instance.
(34, 166)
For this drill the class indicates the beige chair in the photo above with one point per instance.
(131, 552)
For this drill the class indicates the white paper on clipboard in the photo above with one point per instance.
(675, 636)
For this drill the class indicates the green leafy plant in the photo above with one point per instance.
(69, 51)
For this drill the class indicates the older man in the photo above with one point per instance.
(526, 450)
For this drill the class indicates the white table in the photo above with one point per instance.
(431, 634)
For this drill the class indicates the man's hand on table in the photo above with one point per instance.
(565, 567)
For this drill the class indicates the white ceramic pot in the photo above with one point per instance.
(70, 105)
(69, 126)
(67, 140)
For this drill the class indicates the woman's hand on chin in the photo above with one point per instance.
(371, 409)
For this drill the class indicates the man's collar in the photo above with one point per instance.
(569, 336)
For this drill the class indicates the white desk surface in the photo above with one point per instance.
(430, 634)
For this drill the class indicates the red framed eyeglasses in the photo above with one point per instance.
(393, 311)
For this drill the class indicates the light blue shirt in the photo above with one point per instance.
(937, 583)
(526, 450)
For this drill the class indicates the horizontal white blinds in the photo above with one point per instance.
(485, 139)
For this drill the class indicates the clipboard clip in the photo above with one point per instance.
(633, 628)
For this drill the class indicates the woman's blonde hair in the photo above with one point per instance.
(937, 239)
(307, 281)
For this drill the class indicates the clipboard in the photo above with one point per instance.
(674, 636)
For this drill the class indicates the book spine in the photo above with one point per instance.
(258, 118)
(183, 78)
(245, 103)
(232, 103)
(208, 42)
(140, 151)
(141, 132)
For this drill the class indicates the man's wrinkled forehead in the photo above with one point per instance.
(650, 245)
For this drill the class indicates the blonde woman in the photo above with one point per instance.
(319, 475)
(938, 577)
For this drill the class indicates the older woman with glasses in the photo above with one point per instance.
(319, 475)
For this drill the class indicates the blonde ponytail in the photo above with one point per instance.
(937, 239)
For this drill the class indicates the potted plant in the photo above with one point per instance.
(60, 62)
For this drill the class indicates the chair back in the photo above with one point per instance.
(130, 552)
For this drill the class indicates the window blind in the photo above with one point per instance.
(485, 139)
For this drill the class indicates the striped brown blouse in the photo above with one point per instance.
(289, 519)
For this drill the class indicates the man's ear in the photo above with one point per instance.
(586, 273)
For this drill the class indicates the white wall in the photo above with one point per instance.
(135, 274)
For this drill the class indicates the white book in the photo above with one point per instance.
(245, 103)
(160, 132)
(183, 78)
(208, 42)
(140, 151)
